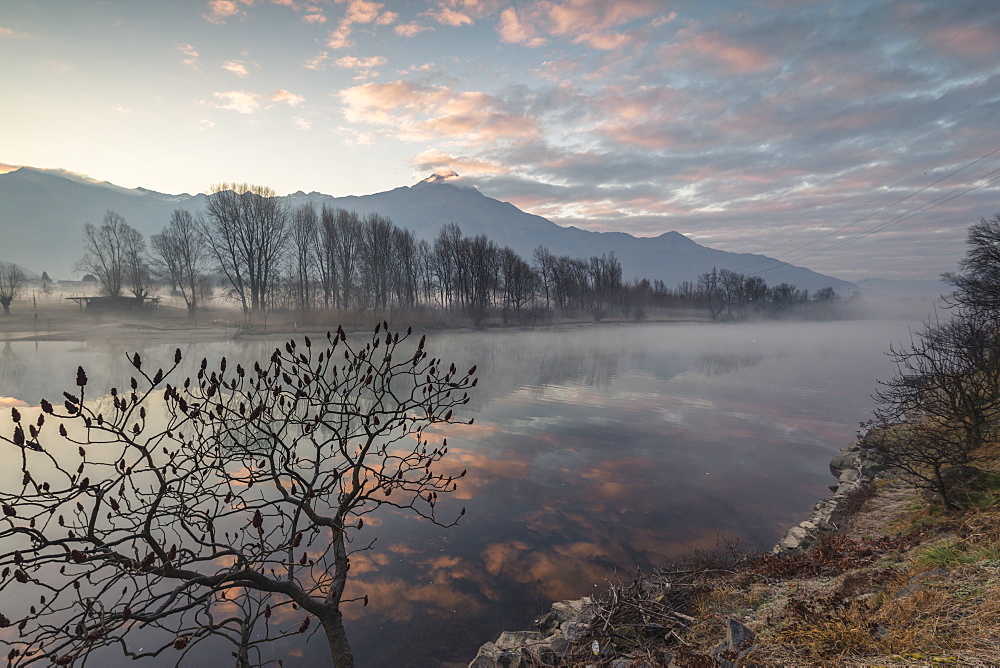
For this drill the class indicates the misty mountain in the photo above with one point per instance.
(42, 213)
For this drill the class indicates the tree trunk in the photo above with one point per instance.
(340, 649)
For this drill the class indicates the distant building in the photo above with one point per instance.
(116, 303)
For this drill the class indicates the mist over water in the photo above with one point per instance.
(595, 450)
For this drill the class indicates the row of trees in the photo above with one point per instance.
(268, 256)
(940, 409)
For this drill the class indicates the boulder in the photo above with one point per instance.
(843, 462)
(739, 641)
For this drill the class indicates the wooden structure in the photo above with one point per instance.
(116, 303)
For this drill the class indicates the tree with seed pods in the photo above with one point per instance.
(169, 517)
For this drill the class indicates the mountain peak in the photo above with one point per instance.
(442, 175)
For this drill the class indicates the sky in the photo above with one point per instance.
(857, 138)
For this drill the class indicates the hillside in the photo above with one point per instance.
(43, 213)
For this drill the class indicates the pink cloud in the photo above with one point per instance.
(190, 55)
(7, 32)
(719, 51)
(438, 161)
(450, 17)
(513, 31)
(966, 41)
(411, 29)
(282, 95)
(221, 10)
(239, 101)
(421, 113)
(358, 12)
(314, 17)
(353, 62)
(456, 13)
(591, 22)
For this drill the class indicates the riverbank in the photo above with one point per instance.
(878, 575)
(54, 318)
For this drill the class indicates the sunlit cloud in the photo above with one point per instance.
(435, 160)
(512, 30)
(458, 13)
(237, 67)
(190, 55)
(239, 101)
(13, 34)
(284, 96)
(302, 123)
(353, 62)
(411, 29)
(219, 11)
(314, 17)
(422, 112)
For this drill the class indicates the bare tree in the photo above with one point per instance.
(137, 275)
(222, 508)
(105, 253)
(327, 242)
(544, 262)
(377, 258)
(11, 284)
(305, 226)
(181, 256)
(945, 392)
(348, 252)
(246, 236)
(977, 285)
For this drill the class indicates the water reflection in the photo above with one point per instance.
(594, 451)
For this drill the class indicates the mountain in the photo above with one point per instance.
(42, 213)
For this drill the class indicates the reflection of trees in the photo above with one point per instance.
(719, 364)
(11, 366)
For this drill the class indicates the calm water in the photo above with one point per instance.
(594, 451)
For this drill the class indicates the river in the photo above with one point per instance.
(595, 451)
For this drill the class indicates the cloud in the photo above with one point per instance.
(411, 29)
(237, 67)
(420, 113)
(190, 55)
(219, 11)
(318, 62)
(437, 161)
(353, 62)
(513, 31)
(239, 101)
(8, 32)
(594, 23)
(717, 52)
(302, 123)
(284, 96)
(314, 17)
(357, 12)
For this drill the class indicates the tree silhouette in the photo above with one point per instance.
(11, 284)
(170, 517)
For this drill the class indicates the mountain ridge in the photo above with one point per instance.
(56, 204)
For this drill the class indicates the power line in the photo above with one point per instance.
(874, 213)
(895, 221)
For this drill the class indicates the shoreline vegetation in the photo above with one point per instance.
(37, 316)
